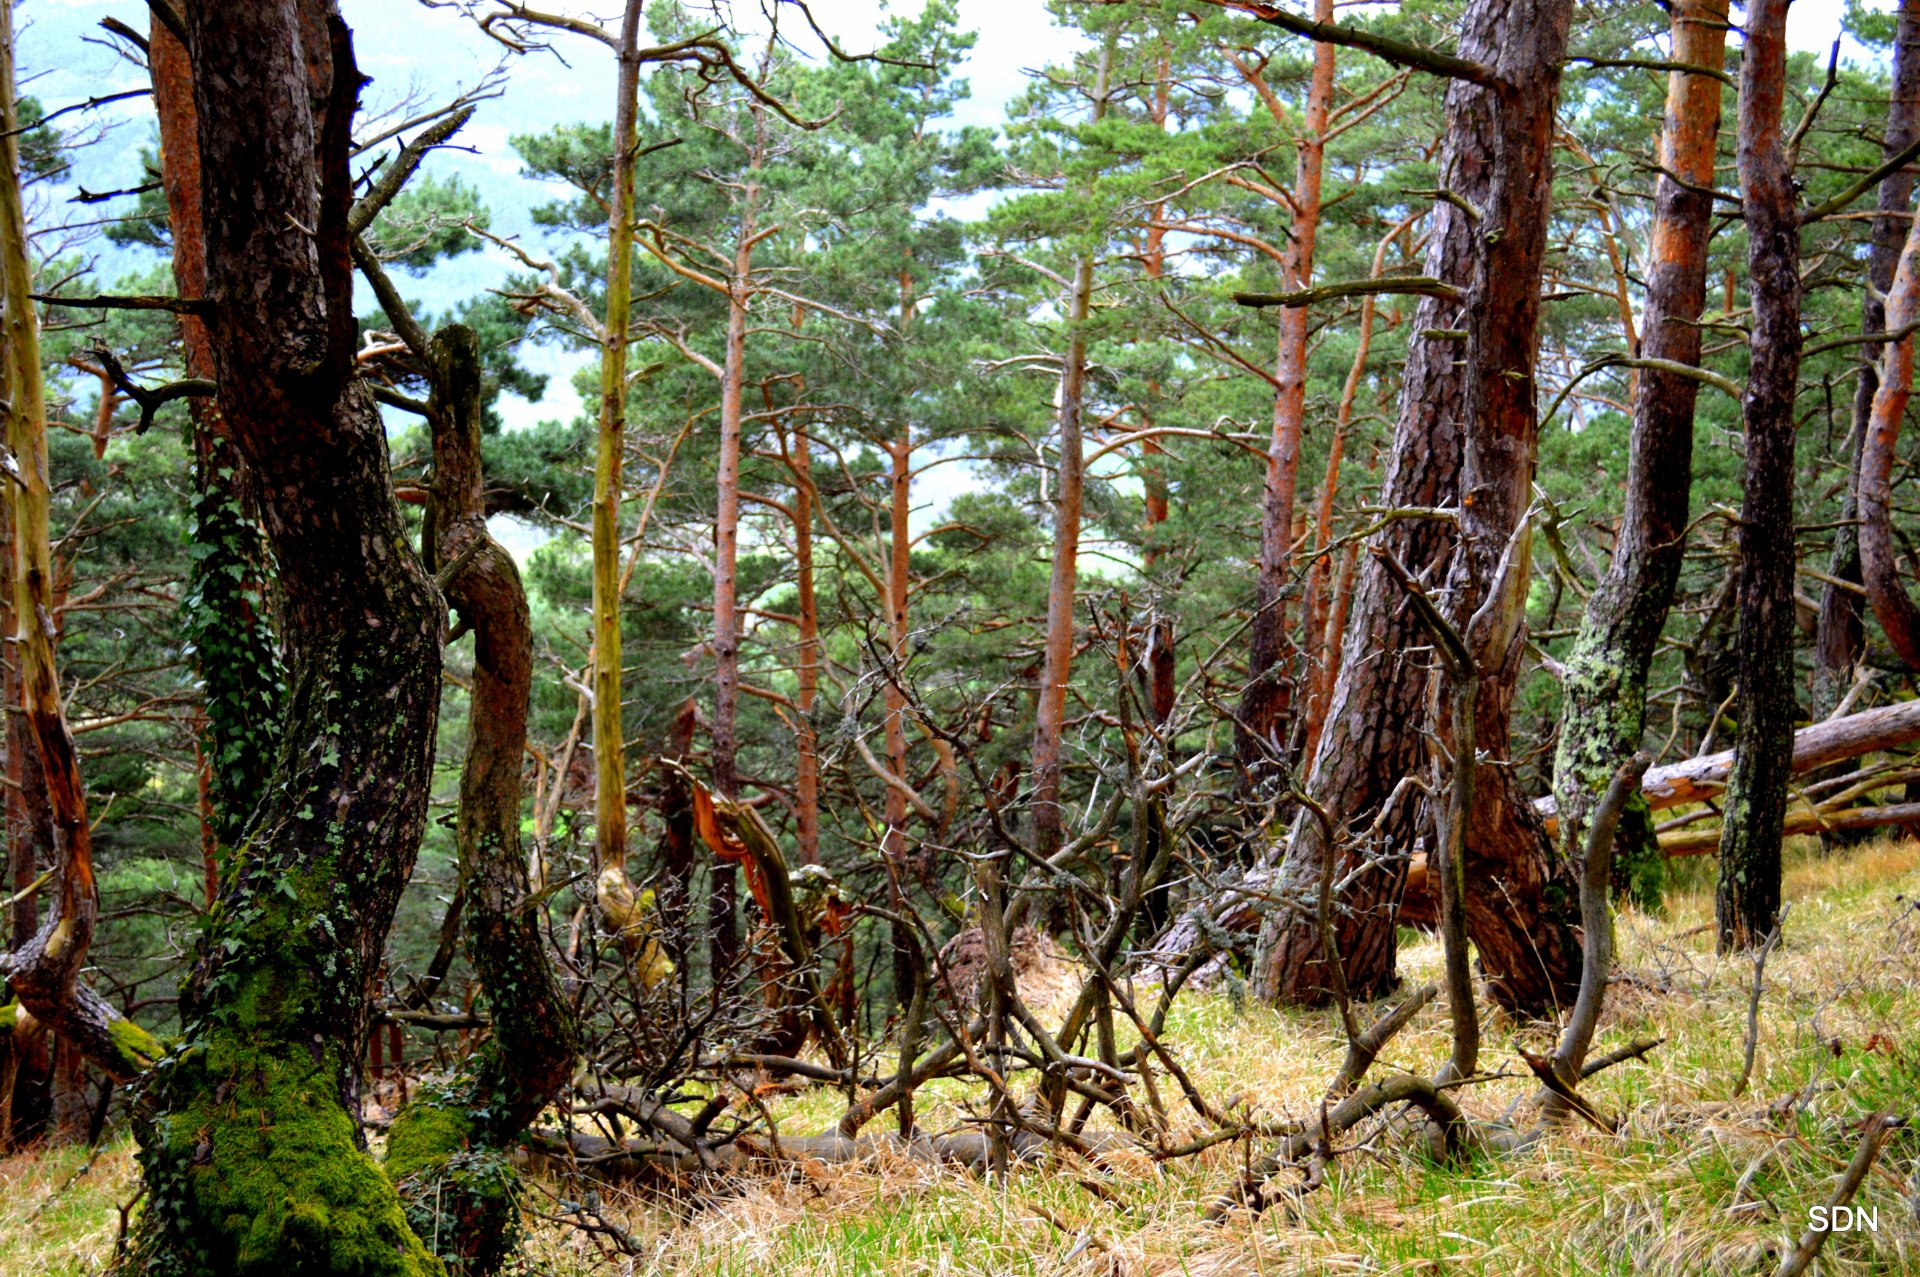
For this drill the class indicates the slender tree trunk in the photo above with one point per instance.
(1879, 556)
(1261, 734)
(438, 1142)
(45, 971)
(1497, 159)
(1603, 713)
(1748, 896)
(1057, 663)
(1324, 630)
(609, 745)
(1160, 666)
(806, 781)
(250, 1141)
(899, 586)
(1841, 639)
(722, 922)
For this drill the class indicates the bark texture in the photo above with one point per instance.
(448, 1149)
(1879, 556)
(1521, 901)
(1603, 713)
(1748, 895)
(250, 1141)
(1496, 159)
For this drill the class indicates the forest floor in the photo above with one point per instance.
(1696, 1182)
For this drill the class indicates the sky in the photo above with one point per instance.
(413, 52)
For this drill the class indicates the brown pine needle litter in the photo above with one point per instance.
(1696, 1182)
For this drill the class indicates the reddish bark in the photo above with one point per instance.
(1497, 158)
(1261, 733)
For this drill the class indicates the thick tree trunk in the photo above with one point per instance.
(1603, 713)
(226, 604)
(448, 1150)
(1522, 904)
(45, 970)
(1261, 734)
(1372, 738)
(1841, 639)
(1748, 896)
(250, 1140)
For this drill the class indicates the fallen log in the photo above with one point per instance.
(1800, 820)
(1695, 780)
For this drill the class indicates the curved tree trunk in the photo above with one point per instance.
(1371, 739)
(1603, 713)
(1841, 639)
(44, 972)
(1748, 895)
(1879, 557)
(250, 1141)
(448, 1149)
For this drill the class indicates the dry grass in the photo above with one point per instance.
(1696, 1183)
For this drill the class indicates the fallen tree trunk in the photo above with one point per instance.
(1695, 780)
(1800, 820)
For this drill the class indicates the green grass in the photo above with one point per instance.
(1840, 1038)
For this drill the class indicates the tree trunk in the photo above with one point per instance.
(1372, 737)
(1261, 734)
(1159, 669)
(448, 1150)
(723, 924)
(1841, 639)
(1327, 619)
(1879, 556)
(226, 604)
(1056, 666)
(1603, 711)
(250, 1140)
(893, 845)
(1522, 909)
(806, 780)
(609, 744)
(44, 972)
(1748, 896)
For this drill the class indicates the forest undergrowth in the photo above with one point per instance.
(1698, 1181)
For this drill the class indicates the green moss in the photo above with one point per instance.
(426, 1132)
(8, 1014)
(462, 1201)
(262, 1171)
(137, 1047)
